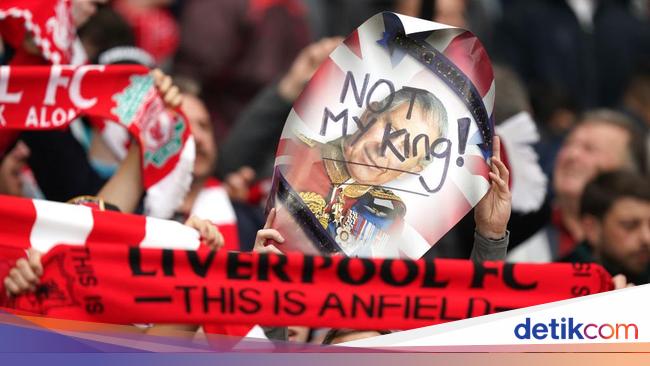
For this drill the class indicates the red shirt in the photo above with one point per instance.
(566, 243)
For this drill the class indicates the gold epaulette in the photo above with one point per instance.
(316, 204)
(384, 194)
(306, 140)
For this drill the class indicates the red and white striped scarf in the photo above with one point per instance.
(41, 225)
(213, 204)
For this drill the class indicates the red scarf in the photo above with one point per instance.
(41, 225)
(50, 25)
(176, 286)
(46, 98)
(333, 291)
(213, 204)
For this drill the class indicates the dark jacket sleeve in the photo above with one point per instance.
(256, 133)
(489, 250)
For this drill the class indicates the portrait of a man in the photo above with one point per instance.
(345, 182)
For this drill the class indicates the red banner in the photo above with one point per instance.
(176, 286)
(50, 97)
(48, 23)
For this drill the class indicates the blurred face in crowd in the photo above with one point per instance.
(365, 162)
(82, 10)
(622, 237)
(206, 149)
(298, 334)
(591, 148)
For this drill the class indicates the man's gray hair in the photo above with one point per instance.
(636, 146)
(431, 106)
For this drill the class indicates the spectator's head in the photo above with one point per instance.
(299, 334)
(201, 125)
(106, 29)
(82, 10)
(335, 336)
(615, 213)
(603, 140)
(554, 108)
(420, 116)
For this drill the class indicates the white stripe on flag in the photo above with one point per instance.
(283, 160)
(416, 25)
(169, 235)
(58, 223)
(412, 243)
(464, 178)
(213, 204)
(441, 39)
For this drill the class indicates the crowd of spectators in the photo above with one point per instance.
(579, 68)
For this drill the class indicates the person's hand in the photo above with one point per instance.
(304, 67)
(210, 235)
(620, 281)
(25, 275)
(267, 234)
(10, 167)
(493, 211)
(238, 184)
(168, 91)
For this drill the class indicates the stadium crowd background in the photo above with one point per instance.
(579, 68)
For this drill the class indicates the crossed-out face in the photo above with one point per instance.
(625, 235)
(363, 149)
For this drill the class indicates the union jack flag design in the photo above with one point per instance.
(394, 127)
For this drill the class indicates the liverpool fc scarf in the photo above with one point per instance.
(168, 284)
(177, 286)
(45, 98)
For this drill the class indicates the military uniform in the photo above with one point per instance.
(361, 218)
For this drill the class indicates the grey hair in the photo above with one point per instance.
(431, 106)
(636, 146)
